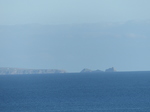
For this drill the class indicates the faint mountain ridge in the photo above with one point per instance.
(80, 30)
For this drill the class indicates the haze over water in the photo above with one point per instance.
(72, 35)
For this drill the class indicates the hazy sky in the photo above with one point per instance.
(39, 35)
(72, 11)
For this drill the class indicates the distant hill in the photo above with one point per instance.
(5, 71)
(110, 70)
(86, 70)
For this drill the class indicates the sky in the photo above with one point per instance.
(75, 34)
(72, 11)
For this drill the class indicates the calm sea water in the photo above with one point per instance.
(103, 92)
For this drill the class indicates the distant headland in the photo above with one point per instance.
(5, 71)
(21, 71)
(85, 70)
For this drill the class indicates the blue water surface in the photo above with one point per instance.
(76, 92)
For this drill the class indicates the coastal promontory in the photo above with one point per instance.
(5, 71)
(86, 70)
(21, 71)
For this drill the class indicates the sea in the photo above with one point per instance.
(76, 92)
